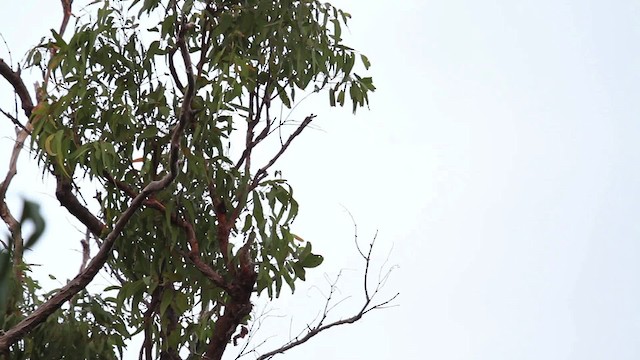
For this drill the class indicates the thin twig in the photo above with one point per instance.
(253, 329)
(15, 121)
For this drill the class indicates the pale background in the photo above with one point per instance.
(499, 162)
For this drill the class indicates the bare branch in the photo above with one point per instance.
(355, 230)
(320, 326)
(253, 329)
(15, 96)
(263, 171)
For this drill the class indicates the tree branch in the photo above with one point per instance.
(65, 195)
(263, 171)
(174, 73)
(187, 227)
(254, 118)
(13, 77)
(66, 15)
(84, 278)
(12, 223)
(321, 326)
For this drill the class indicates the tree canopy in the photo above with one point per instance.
(153, 117)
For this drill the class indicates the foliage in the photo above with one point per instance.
(164, 118)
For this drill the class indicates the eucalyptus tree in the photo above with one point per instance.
(165, 107)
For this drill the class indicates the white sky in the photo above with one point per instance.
(499, 160)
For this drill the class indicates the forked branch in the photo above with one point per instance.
(262, 172)
(321, 325)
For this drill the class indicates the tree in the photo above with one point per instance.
(169, 121)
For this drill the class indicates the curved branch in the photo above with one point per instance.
(75, 208)
(174, 73)
(13, 77)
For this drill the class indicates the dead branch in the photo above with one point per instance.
(320, 325)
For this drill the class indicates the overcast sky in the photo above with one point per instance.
(499, 162)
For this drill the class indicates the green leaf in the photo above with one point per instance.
(60, 43)
(289, 280)
(306, 250)
(247, 223)
(337, 31)
(341, 98)
(365, 61)
(31, 212)
(167, 298)
(312, 261)
(299, 271)
(257, 210)
(282, 94)
(350, 60)
(37, 57)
